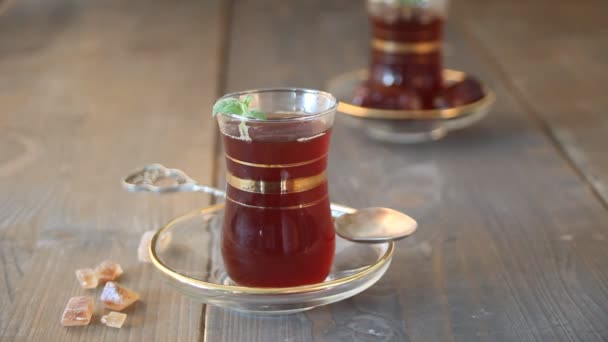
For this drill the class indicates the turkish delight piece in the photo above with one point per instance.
(87, 278)
(116, 297)
(108, 270)
(114, 319)
(78, 311)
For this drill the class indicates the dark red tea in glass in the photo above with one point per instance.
(278, 229)
(405, 69)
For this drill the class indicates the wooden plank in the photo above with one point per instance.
(511, 241)
(556, 56)
(91, 90)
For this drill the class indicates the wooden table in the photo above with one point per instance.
(513, 238)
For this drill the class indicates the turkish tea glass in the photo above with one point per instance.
(405, 69)
(278, 228)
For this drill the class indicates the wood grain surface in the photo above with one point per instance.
(552, 56)
(512, 212)
(91, 90)
(511, 245)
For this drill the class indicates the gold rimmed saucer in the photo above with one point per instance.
(407, 126)
(192, 263)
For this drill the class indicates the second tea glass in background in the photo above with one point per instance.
(405, 69)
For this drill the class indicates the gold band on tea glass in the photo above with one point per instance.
(279, 187)
(298, 206)
(276, 166)
(391, 46)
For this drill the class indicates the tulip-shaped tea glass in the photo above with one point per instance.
(405, 65)
(278, 228)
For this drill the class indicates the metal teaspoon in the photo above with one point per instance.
(367, 225)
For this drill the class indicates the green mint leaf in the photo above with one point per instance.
(235, 106)
(247, 101)
(258, 115)
(228, 106)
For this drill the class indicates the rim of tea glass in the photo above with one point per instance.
(308, 116)
(386, 257)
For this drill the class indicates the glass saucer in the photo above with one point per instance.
(187, 253)
(406, 126)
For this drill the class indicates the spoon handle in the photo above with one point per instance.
(157, 178)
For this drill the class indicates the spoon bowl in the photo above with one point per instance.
(375, 225)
